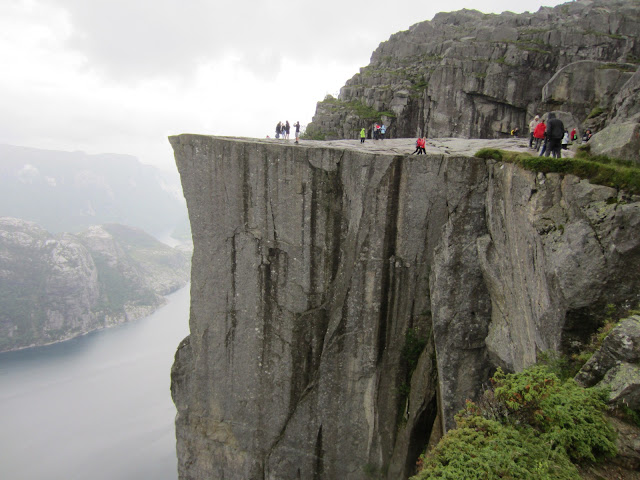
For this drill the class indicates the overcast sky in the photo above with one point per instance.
(119, 76)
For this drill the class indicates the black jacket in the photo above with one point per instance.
(555, 128)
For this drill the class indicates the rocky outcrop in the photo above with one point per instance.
(56, 287)
(318, 267)
(467, 74)
(616, 365)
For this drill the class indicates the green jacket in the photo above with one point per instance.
(363, 133)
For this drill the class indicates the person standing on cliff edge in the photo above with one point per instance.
(555, 132)
(363, 134)
(297, 125)
(532, 126)
(538, 134)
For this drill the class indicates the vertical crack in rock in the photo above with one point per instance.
(318, 470)
(246, 187)
(389, 252)
(230, 311)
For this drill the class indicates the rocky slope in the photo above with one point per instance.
(467, 74)
(55, 287)
(347, 299)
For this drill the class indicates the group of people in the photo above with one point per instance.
(421, 144)
(283, 130)
(377, 132)
(551, 135)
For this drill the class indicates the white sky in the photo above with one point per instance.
(119, 76)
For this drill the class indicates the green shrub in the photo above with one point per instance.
(567, 415)
(489, 153)
(598, 169)
(485, 449)
(529, 425)
(414, 343)
(595, 112)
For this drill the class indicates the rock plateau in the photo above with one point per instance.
(318, 268)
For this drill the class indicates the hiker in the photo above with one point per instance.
(545, 145)
(420, 146)
(532, 126)
(278, 129)
(555, 132)
(515, 132)
(565, 140)
(376, 131)
(297, 125)
(538, 134)
(287, 129)
(587, 135)
(383, 130)
(573, 136)
(363, 134)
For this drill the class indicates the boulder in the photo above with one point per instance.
(620, 140)
(617, 364)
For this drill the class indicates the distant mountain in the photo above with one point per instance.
(69, 191)
(56, 287)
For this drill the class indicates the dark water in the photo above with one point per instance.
(96, 407)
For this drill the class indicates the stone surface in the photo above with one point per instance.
(467, 74)
(56, 287)
(616, 365)
(620, 140)
(313, 263)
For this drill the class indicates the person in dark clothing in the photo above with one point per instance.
(297, 125)
(555, 132)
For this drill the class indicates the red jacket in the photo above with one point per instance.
(420, 143)
(539, 131)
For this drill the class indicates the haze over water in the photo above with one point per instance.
(96, 407)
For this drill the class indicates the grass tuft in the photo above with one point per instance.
(598, 169)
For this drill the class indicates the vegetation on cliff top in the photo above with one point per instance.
(528, 425)
(598, 169)
(367, 114)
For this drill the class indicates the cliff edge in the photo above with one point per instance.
(346, 300)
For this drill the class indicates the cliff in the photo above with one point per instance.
(347, 299)
(473, 75)
(56, 287)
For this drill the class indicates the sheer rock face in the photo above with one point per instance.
(467, 74)
(314, 266)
